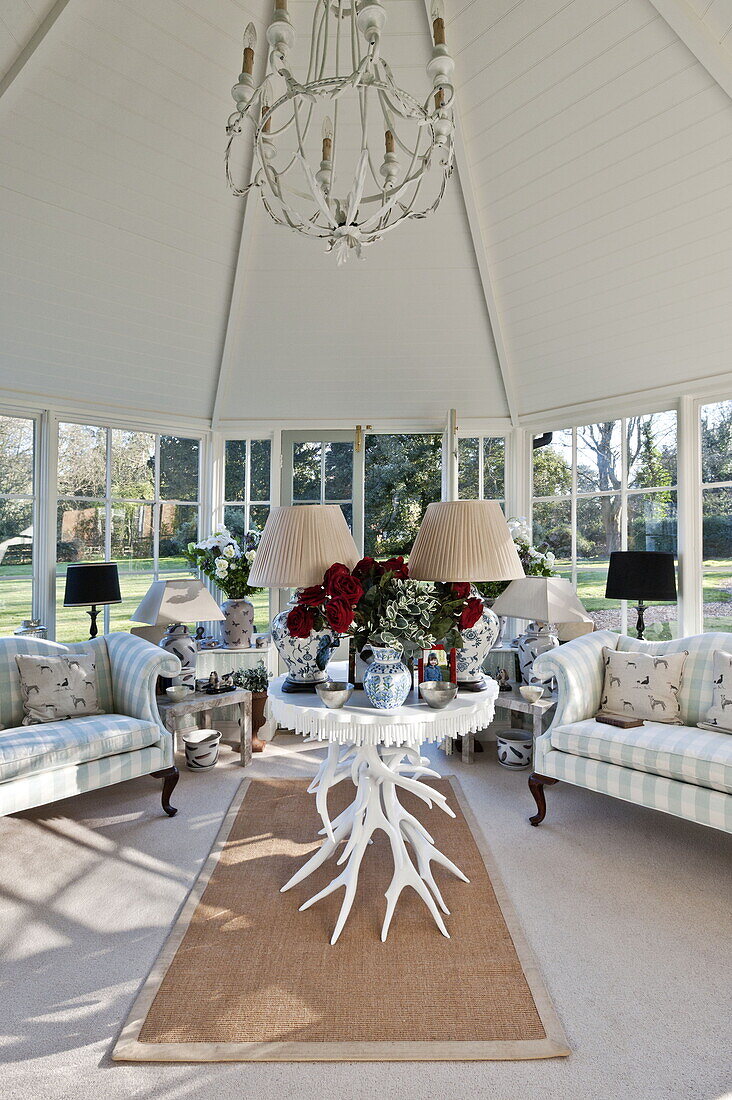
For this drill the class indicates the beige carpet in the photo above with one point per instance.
(245, 975)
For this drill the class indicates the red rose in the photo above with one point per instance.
(461, 590)
(300, 621)
(312, 597)
(471, 613)
(365, 568)
(336, 570)
(339, 615)
(396, 566)
(345, 587)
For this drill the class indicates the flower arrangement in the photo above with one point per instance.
(379, 604)
(224, 561)
(536, 563)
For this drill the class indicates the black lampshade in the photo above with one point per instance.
(641, 576)
(92, 583)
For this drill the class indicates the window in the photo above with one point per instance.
(17, 498)
(716, 457)
(481, 468)
(403, 474)
(125, 496)
(247, 479)
(604, 487)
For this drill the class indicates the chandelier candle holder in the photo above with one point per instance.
(319, 164)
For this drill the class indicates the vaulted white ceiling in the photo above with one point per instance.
(582, 252)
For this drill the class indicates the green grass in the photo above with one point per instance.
(72, 623)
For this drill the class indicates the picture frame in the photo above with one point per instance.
(438, 658)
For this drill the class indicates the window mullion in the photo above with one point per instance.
(156, 509)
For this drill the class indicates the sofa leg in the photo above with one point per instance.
(536, 786)
(170, 777)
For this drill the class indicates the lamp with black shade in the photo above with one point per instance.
(641, 576)
(92, 585)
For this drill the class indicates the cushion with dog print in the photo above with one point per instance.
(642, 685)
(57, 687)
(719, 715)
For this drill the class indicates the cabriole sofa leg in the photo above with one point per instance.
(536, 786)
(170, 777)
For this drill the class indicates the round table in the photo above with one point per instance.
(380, 752)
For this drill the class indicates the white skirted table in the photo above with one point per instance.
(380, 752)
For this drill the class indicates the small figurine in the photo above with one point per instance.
(502, 679)
(213, 683)
(200, 633)
(227, 680)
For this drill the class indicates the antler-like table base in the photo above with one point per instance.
(378, 773)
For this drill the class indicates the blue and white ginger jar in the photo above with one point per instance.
(387, 680)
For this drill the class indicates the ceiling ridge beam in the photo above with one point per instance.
(481, 255)
(31, 46)
(697, 38)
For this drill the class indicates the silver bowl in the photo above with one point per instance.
(532, 693)
(437, 694)
(334, 693)
(178, 692)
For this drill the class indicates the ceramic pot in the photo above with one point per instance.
(387, 680)
(515, 748)
(478, 641)
(538, 638)
(178, 641)
(306, 659)
(238, 625)
(202, 748)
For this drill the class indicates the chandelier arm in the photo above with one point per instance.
(315, 38)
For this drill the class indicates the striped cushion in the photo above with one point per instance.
(677, 752)
(29, 749)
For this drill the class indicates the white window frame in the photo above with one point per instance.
(481, 437)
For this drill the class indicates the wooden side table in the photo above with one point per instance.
(174, 715)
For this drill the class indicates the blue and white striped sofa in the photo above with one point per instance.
(42, 763)
(679, 769)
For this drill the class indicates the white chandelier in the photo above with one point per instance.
(353, 202)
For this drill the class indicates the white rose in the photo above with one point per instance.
(221, 565)
(229, 551)
(550, 557)
(251, 555)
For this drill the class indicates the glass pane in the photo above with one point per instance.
(178, 527)
(552, 466)
(494, 458)
(261, 458)
(552, 530)
(468, 459)
(598, 533)
(133, 465)
(235, 469)
(717, 549)
(16, 455)
(306, 472)
(16, 564)
(716, 441)
(652, 450)
(347, 510)
(652, 526)
(403, 476)
(235, 518)
(72, 623)
(79, 531)
(133, 586)
(178, 468)
(338, 471)
(598, 457)
(258, 516)
(82, 460)
(132, 537)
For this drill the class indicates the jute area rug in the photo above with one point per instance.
(244, 976)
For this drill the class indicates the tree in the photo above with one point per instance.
(403, 476)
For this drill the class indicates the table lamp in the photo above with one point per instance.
(298, 544)
(172, 603)
(92, 585)
(467, 540)
(640, 576)
(544, 601)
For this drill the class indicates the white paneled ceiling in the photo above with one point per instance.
(596, 163)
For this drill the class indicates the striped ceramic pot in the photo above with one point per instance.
(387, 680)
(202, 748)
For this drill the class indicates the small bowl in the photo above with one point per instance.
(178, 692)
(437, 693)
(531, 692)
(334, 693)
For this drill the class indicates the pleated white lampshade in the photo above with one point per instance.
(177, 601)
(464, 540)
(299, 543)
(543, 599)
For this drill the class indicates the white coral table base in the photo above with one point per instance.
(378, 773)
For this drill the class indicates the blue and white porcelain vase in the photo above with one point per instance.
(478, 641)
(306, 659)
(387, 680)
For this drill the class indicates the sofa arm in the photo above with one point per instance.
(579, 672)
(136, 665)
